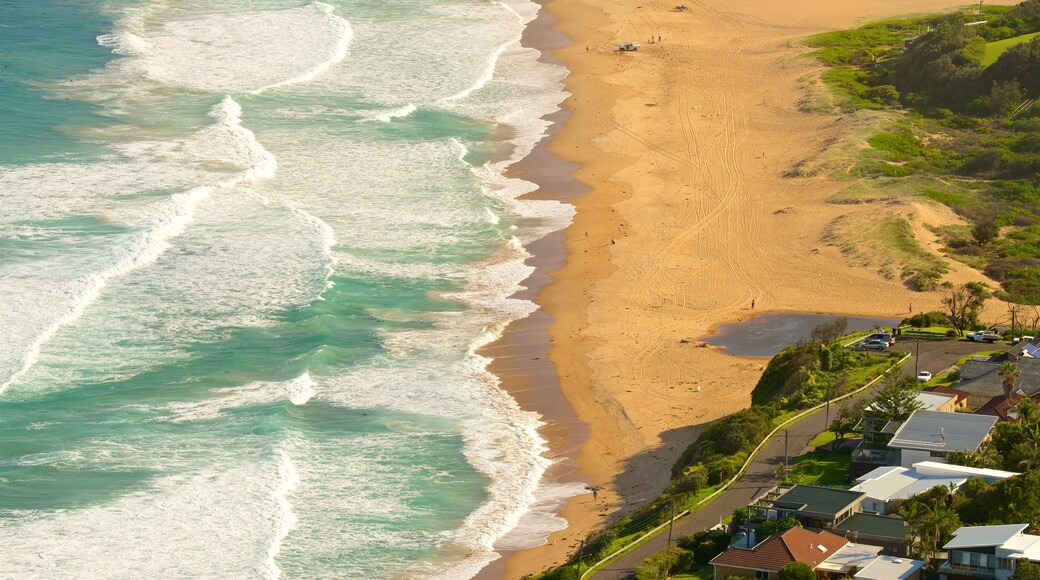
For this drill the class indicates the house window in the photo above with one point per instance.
(937, 454)
(1004, 564)
(761, 575)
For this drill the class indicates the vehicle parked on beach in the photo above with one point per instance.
(983, 336)
(628, 46)
(875, 344)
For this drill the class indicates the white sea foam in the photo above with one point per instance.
(390, 115)
(158, 223)
(225, 521)
(297, 391)
(489, 70)
(288, 479)
(239, 52)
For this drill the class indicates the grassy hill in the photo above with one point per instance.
(995, 49)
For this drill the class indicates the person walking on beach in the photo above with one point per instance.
(752, 303)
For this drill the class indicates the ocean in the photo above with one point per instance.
(248, 253)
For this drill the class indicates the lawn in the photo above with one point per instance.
(995, 49)
(704, 573)
(819, 468)
(823, 438)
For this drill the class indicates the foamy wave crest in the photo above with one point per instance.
(298, 391)
(288, 479)
(328, 240)
(171, 219)
(489, 69)
(242, 52)
(161, 222)
(392, 114)
(342, 32)
(231, 519)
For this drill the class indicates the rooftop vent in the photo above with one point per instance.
(821, 548)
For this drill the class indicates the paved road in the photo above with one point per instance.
(761, 474)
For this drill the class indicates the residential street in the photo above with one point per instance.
(936, 356)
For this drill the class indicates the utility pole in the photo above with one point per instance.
(581, 550)
(786, 433)
(671, 522)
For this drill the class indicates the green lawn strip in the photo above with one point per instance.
(926, 332)
(819, 468)
(705, 573)
(823, 438)
(995, 49)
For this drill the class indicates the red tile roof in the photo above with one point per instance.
(794, 545)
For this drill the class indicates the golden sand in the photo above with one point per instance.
(685, 144)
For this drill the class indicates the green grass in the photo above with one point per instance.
(924, 332)
(704, 573)
(823, 438)
(820, 468)
(995, 49)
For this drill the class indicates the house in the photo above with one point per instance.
(981, 380)
(888, 532)
(1005, 410)
(766, 558)
(961, 397)
(847, 560)
(885, 484)
(891, 568)
(812, 506)
(931, 435)
(988, 552)
(933, 401)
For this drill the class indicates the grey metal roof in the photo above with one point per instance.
(874, 525)
(818, 500)
(937, 431)
(982, 377)
(984, 536)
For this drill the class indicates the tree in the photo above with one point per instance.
(770, 527)
(897, 399)
(848, 416)
(1009, 374)
(964, 303)
(828, 332)
(796, 571)
(1026, 570)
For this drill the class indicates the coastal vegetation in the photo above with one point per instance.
(951, 103)
(798, 378)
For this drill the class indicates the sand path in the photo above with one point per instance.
(686, 144)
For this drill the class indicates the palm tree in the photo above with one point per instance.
(1009, 374)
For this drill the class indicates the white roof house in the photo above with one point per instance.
(888, 483)
(850, 557)
(990, 550)
(890, 568)
(885, 484)
(930, 435)
(933, 468)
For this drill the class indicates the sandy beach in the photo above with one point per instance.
(708, 192)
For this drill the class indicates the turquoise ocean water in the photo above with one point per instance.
(247, 252)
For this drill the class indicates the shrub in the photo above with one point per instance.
(796, 571)
(705, 545)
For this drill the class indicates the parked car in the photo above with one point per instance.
(924, 376)
(888, 337)
(875, 344)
